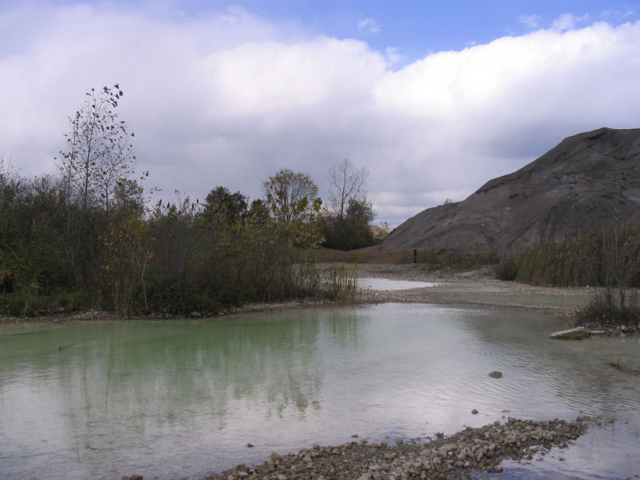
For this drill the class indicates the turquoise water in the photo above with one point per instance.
(184, 398)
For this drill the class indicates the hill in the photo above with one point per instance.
(584, 181)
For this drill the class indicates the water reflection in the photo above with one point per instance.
(388, 284)
(184, 398)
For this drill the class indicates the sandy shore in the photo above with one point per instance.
(475, 287)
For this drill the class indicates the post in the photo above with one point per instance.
(415, 255)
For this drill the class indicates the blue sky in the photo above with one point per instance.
(434, 97)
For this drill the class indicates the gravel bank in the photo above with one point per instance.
(456, 456)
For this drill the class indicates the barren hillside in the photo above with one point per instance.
(587, 179)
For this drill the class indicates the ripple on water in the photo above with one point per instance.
(176, 399)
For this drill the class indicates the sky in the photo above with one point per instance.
(434, 98)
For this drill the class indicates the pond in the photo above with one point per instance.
(182, 399)
(387, 284)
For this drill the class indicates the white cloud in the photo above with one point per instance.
(568, 21)
(368, 25)
(532, 21)
(393, 56)
(229, 100)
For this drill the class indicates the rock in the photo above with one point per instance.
(447, 447)
(474, 412)
(474, 450)
(597, 332)
(249, 445)
(195, 314)
(577, 333)
(495, 374)
(399, 441)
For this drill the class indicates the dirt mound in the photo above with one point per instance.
(587, 179)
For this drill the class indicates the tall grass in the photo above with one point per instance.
(609, 257)
(339, 282)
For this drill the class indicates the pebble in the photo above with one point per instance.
(479, 450)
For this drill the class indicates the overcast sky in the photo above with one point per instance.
(434, 97)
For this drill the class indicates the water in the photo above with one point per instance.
(386, 284)
(183, 398)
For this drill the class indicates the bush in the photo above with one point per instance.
(507, 269)
(605, 312)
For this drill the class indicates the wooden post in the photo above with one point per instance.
(415, 255)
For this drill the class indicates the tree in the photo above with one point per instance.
(99, 153)
(351, 231)
(221, 204)
(289, 195)
(347, 183)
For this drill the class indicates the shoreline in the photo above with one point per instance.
(472, 450)
(474, 287)
(478, 450)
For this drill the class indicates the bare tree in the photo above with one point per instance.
(99, 153)
(286, 192)
(347, 184)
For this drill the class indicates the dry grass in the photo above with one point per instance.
(325, 255)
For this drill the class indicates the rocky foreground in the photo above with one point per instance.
(457, 456)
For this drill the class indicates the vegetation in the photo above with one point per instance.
(347, 224)
(453, 260)
(88, 238)
(606, 259)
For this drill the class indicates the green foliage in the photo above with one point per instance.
(89, 239)
(290, 195)
(351, 231)
(23, 305)
(340, 283)
(223, 206)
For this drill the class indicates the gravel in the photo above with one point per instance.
(457, 456)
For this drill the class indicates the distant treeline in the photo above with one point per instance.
(89, 238)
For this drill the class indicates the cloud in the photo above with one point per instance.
(229, 99)
(568, 22)
(368, 25)
(532, 21)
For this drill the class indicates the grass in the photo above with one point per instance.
(434, 259)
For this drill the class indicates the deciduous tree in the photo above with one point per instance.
(286, 190)
(99, 151)
(347, 183)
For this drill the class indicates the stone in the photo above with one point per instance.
(447, 447)
(495, 374)
(577, 333)
(474, 412)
